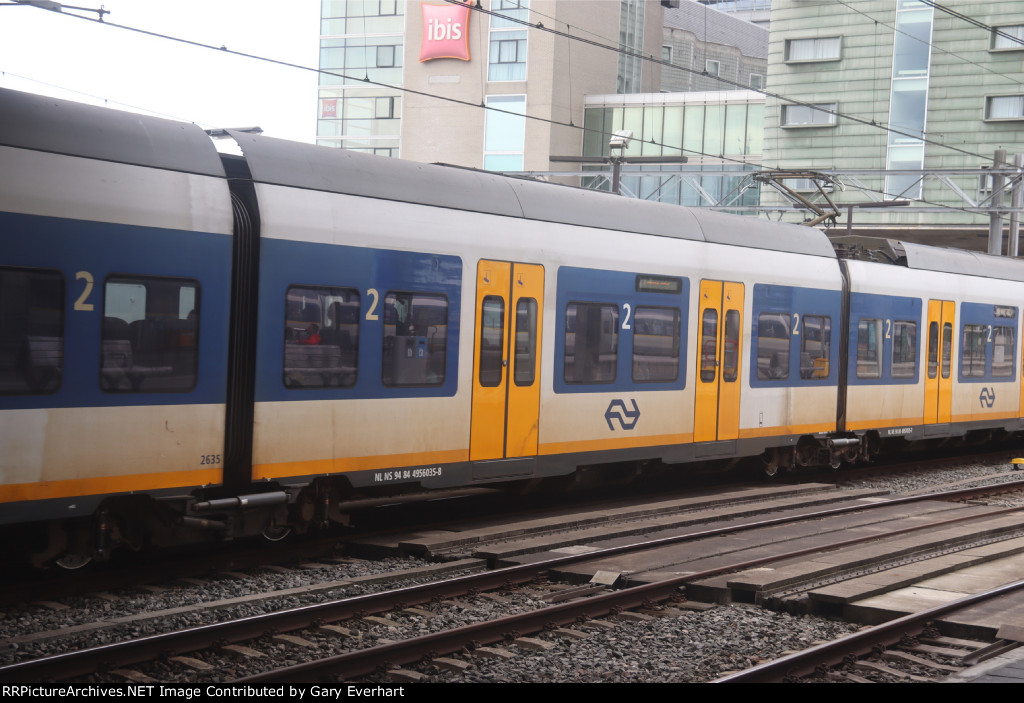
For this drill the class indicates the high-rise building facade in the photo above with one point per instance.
(909, 90)
(409, 79)
(709, 46)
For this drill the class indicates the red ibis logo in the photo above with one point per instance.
(445, 32)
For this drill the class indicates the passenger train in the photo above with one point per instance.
(197, 345)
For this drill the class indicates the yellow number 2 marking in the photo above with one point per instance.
(80, 304)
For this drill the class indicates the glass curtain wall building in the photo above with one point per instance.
(361, 39)
(720, 133)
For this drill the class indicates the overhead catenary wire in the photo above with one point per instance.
(737, 84)
(223, 49)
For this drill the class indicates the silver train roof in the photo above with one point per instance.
(280, 162)
(63, 127)
(928, 258)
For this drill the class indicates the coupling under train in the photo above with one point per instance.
(198, 345)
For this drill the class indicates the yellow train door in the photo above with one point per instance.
(506, 364)
(938, 382)
(719, 334)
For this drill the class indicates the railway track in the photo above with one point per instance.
(865, 650)
(312, 636)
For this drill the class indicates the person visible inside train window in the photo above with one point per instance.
(312, 335)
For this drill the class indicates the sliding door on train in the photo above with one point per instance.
(506, 370)
(938, 382)
(720, 324)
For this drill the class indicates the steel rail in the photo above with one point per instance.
(808, 661)
(141, 650)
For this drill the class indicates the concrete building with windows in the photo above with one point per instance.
(754, 11)
(403, 78)
(709, 45)
(906, 99)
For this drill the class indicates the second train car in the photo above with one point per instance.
(195, 344)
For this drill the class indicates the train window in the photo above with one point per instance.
(933, 349)
(31, 331)
(772, 346)
(815, 346)
(947, 348)
(655, 344)
(1003, 348)
(591, 342)
(150, 335)
(904, 349)
(731, 347)
(709, 345)
(415, 339)
(321, 337)
(492, 341)
(526, 342)
(869, 361)
(972, 353)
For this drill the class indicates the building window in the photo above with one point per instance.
(507, 41)
(1004, 107)
(823, 49)
(666, 53)
(809, 116)
(1010, 38)
(712, 68)
(504, 133)
(385, 56)
(631, 38)
(384, 108)
(756, 81)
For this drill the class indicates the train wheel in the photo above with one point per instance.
(71, 562)
(276, 533)
(776, 460)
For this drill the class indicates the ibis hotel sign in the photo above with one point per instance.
(445, 32)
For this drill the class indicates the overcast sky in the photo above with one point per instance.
(54, 54)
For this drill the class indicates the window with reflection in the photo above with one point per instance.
(492, 340)
(525, 370)
(869, 340)
(150, 336)
(591, 342)
(773, 346)
(904, 349)
(655, 344)
(972, 353)
(321, 337)
(31, 331)
(415, 339)
(709, 345)
(1003, 348)
(815, 346)
(933, 349)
